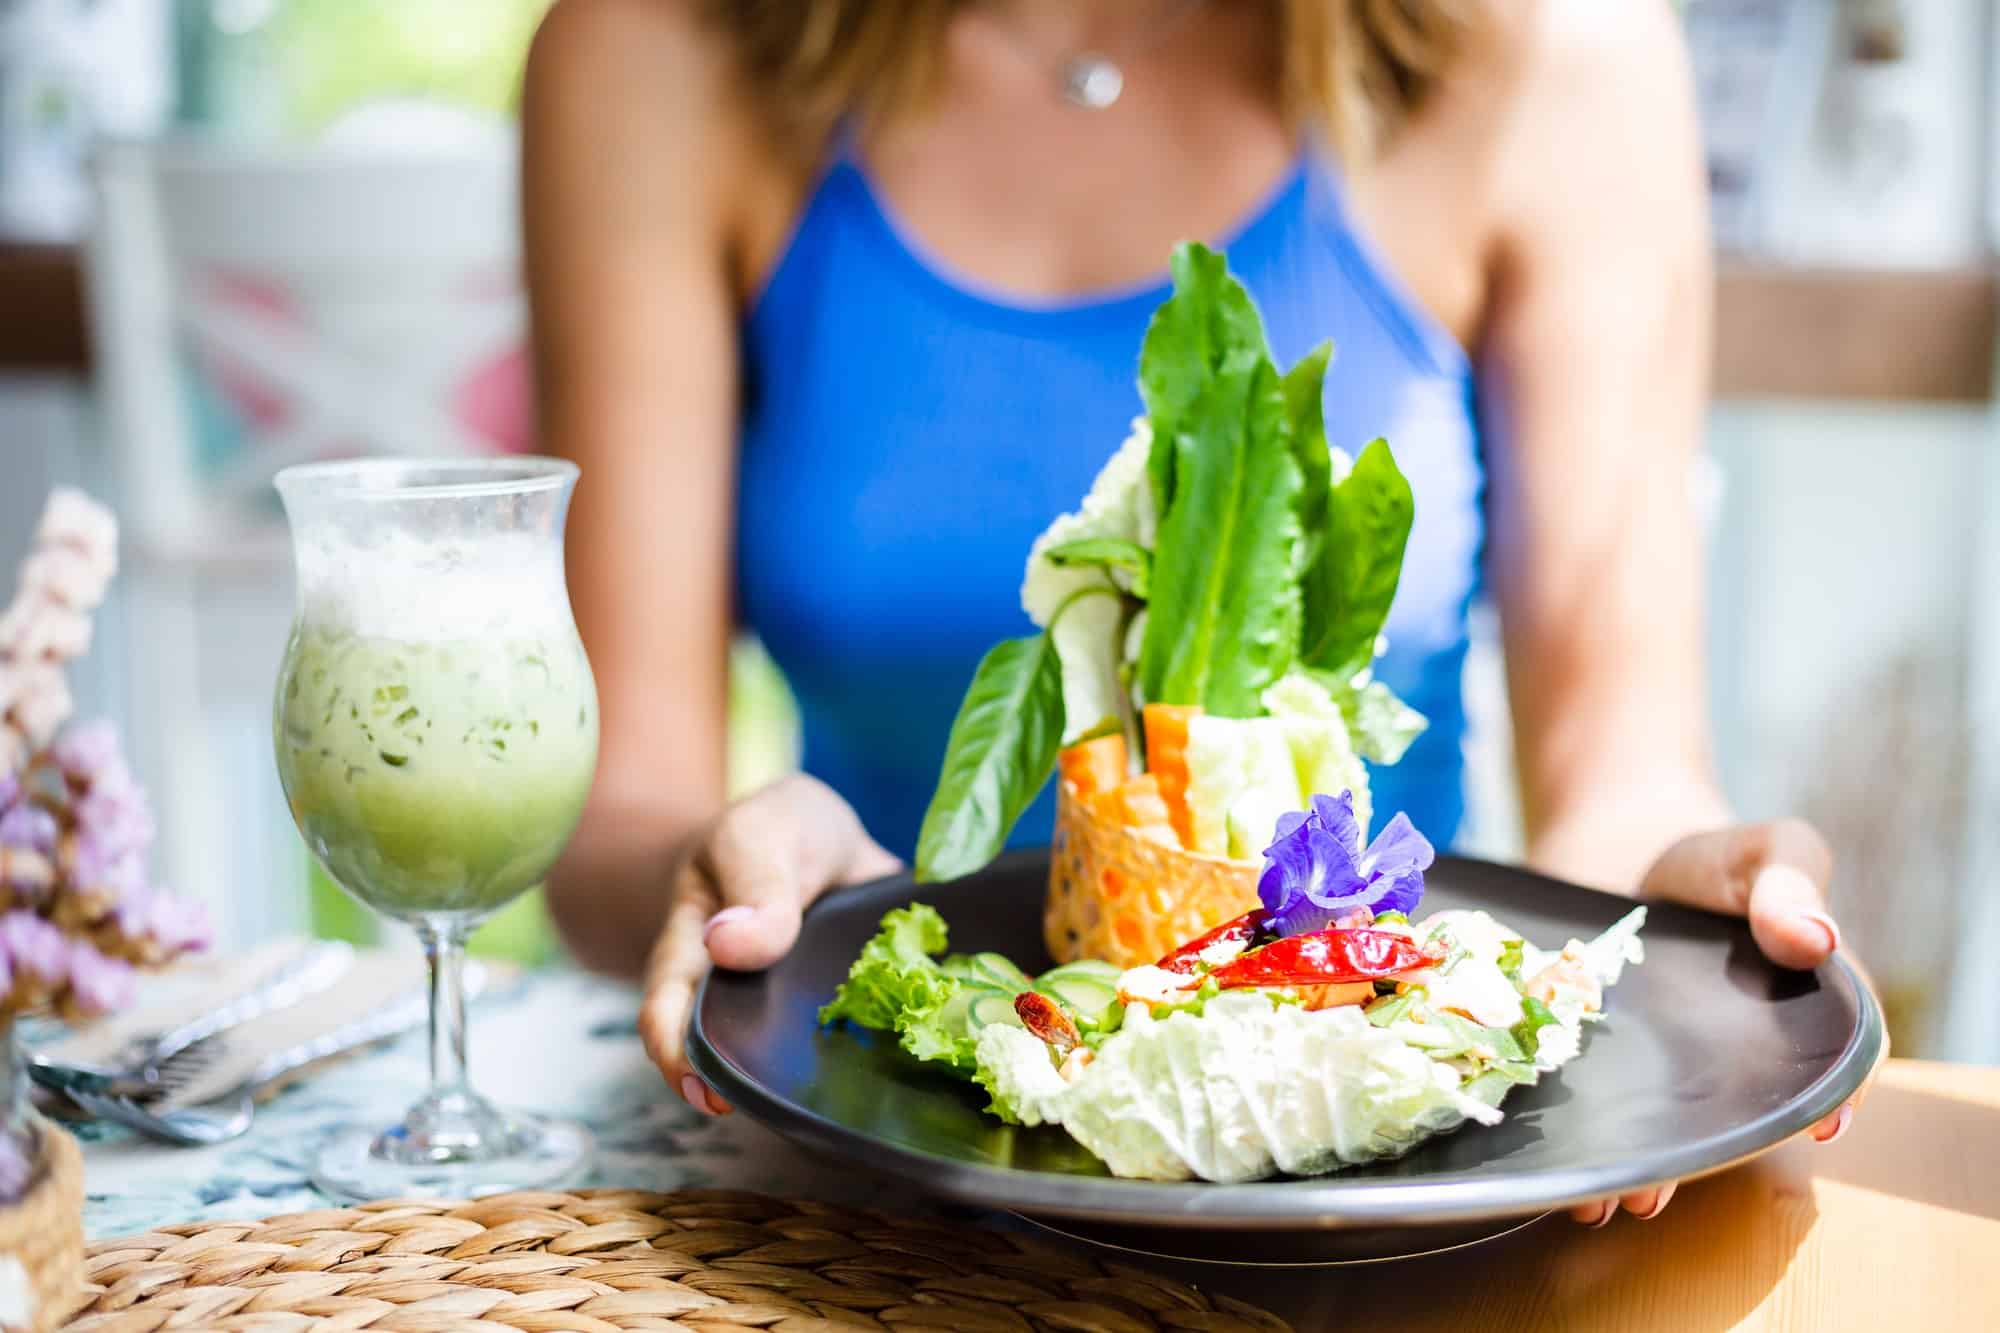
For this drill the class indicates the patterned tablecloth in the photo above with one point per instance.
(556, 1042)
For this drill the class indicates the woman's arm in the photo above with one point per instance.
(1594, 371)
(628, 159)
(1594, 374)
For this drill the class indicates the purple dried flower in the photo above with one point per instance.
(16, 1167)
(115, 814)
(99, 984)
(171, 924)
(98, 867)
(29, 828)
(88, 750)
(10, 790)
(35, 946)
(1315, 869)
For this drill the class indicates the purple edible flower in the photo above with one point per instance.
(1315, 869)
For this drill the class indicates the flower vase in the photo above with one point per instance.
(41, 1206)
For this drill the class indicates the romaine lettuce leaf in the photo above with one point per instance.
(1223, 619)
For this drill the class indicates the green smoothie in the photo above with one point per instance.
(437, 776)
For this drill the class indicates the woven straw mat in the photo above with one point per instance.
(609, 1260)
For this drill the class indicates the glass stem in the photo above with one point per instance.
(444, 950)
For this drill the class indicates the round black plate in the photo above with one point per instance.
(1710, 1056)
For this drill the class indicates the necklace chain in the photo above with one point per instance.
(1094, 79)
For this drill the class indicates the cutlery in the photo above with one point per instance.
(141, 1067)
(229, 1114)
(313, 969)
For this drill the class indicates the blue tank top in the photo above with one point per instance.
(908, 434)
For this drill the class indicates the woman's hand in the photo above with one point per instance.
(736, 889)
(1776, 875)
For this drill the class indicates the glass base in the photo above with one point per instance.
(511, 1152)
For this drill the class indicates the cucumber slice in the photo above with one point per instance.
(1000, 971)
(990, 1007)
(957, 1011)
(1088, 989)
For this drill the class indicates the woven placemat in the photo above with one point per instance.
(603, 1261)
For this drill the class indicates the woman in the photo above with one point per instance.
(837, 303)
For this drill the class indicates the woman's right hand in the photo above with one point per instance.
(736, 890)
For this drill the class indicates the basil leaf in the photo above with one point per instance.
(1109, 553)
(1224, 612)
(1305, 411)
(1349, 587)
(1002, 749)
(1209, 324)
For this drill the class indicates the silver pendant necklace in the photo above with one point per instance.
(1093, 80)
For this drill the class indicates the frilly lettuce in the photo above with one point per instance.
(1246, 1090)
(1241, 1084)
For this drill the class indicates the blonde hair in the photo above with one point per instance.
(1353, 70)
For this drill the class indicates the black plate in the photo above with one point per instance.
(1710, 1055)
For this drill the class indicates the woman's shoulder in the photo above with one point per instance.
(1552, 101)
(648, 92)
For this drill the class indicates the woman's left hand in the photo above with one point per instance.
(1776, 875)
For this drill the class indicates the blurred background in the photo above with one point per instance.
(236, 233)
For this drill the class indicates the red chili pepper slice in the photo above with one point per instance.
(1323, 957)
(1186, 959)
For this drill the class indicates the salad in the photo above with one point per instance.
(1323, 1029)
(1207, 620)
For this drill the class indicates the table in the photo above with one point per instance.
(1896, 1226)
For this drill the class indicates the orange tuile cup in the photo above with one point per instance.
(1127, 896)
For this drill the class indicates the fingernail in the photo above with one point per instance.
(1840, 1124)
(1659, 1204)
(1825, 923)
(695, 1093)
(1609, 1210)
(725, 916)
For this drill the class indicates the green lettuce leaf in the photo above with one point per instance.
(1223, 620)
(1305, 411)
(1349, 587)
(895, 976)
(1380, 725)
(1534, 1017)
(1001, 750)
